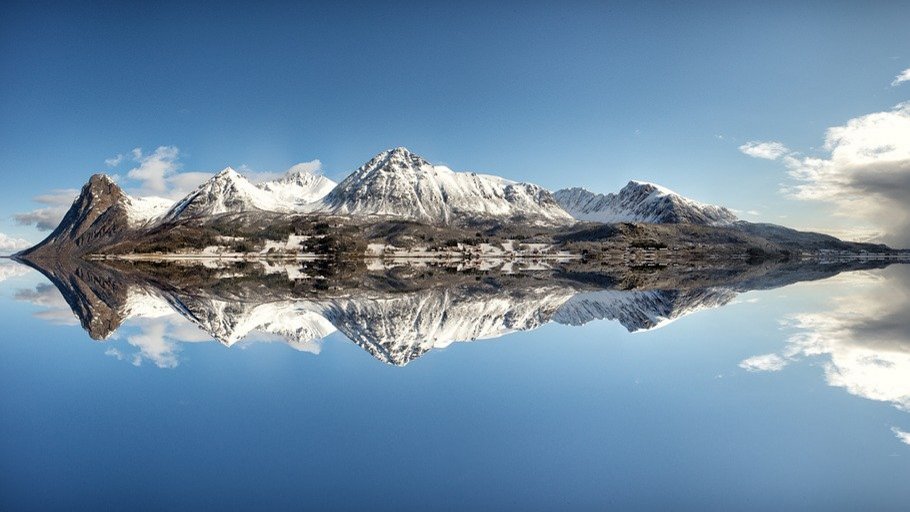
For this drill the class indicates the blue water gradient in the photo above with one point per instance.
(557, 418)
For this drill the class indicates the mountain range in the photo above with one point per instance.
(640, 201)
(391, 194)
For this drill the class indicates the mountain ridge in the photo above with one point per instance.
(395, 193)
(640, 201)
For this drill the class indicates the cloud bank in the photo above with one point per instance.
(864, 172)
(862, 341)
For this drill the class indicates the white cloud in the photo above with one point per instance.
(764, 363)
(313, 166)
(865, 175)
(10, 269)
(767, 150)
(863, 340)
(56, 202)
(45, 295)
(114, 161)
(9, 245)
(903, 436)
(154, 344)
(904, 76)
(154, 169)
(182, 183)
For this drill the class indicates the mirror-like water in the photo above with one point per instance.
(408, 387)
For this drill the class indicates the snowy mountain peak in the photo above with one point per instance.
(641, 201)
(650, 187)
(401, 184)
(299, 187)
(392, 160)
(228, 173)
(226, 192)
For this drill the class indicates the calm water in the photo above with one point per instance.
(794, 397)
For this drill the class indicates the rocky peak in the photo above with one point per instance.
(97, 215)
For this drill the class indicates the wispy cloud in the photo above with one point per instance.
(770, 150)
(56, 202)
(903, 436)
(114, 161)
(55, 309)
(764, 363)
(904, 76)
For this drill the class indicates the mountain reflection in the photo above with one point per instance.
(395, 312)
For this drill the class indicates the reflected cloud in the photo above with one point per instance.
(903, 436)
(764, 363)
(863, 340)
(10, 269)
(54, 307)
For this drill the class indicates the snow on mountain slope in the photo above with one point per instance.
(226, 192)
(299, 187)
(640, 201)
(146, 210)
(398, 183)
(230, 192)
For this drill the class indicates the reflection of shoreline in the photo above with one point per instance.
(863, 340)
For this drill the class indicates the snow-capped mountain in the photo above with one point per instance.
(640, 201)
(397, 183)
(226, 192)
(299, 187)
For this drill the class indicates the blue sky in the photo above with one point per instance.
(580, 94)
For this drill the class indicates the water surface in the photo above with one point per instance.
(793, 396)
